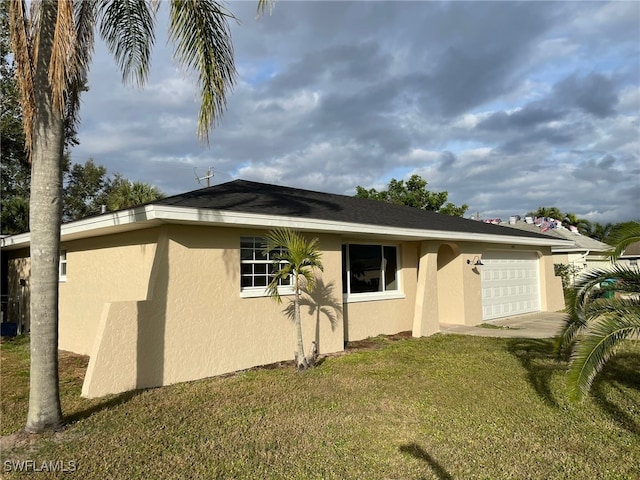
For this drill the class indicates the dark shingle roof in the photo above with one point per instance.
(261, 198)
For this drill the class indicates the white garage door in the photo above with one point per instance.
(510, 284)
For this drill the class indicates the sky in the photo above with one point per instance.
(508, 106)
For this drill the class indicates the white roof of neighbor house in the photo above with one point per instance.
(580, 242)
(250, 204)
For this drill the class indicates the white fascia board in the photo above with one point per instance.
(15, 241)
(569, 250)
(114, 222)
(121, 218)
(147, 215)
(578, 249)
(225, 217)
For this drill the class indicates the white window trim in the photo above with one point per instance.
(256, 292)
(374, 296)
(62, 261)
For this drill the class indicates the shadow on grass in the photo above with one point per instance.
(418, 452)
(105, 404)
(618, 376)
(538, 358)
(610, 388)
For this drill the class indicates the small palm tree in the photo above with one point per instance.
(597, 326)
(293, 257)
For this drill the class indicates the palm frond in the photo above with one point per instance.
(128, 29)
(264, 5)
(298, 255)
(280, 273)
(202, 39)
(626, 280)
(21, 34)
(597, 326)
(622, 236)
(582, 297)
(572, 327)
(627, 307)
(85, 18)
(62, 63)
(604, 337)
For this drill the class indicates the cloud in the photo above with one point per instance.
(594, 94)
(506, 105)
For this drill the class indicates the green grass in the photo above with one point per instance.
(441, 407)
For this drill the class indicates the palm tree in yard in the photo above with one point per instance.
(598, 325)
(52, 45)
(294, 258)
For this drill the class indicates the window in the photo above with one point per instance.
(369, 269)
(256, 268)
(62, 268)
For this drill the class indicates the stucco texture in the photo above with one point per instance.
(194, 323)
(163, 305)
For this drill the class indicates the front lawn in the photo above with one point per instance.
(441, 407)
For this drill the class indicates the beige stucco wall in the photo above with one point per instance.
(100, 270)
(195, 323)
(450, 291)
(163, 305)
(551, 292)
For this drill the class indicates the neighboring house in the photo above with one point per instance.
(174, 290)
(582, 254)
(631, 255)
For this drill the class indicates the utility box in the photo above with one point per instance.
(608, 288)
(8, 329)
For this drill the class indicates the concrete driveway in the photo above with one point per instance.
(532, 325)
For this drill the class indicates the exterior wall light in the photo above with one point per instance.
(476, 262)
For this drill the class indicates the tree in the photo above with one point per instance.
(413, 193)
(584, 226)
(52, 45)
(598, 324)
(14, 163)
(125, 194)
(599, 231)
(85, 190)
(549, 212)
(294, 256)
(14, 166)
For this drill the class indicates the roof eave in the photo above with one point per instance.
(150, 215)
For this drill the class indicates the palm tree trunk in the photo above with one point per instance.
(301, 359)
(45, 218)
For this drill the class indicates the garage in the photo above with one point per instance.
(510, 284)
